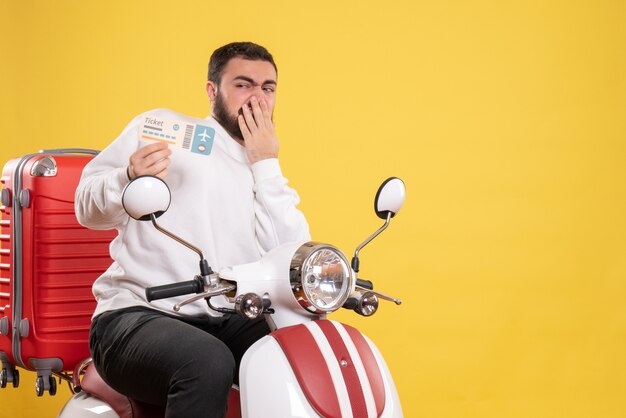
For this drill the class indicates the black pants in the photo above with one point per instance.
(186, 364)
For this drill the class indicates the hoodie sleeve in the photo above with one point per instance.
(278, 220)
(98, 199)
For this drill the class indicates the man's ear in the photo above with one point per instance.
(211, 90)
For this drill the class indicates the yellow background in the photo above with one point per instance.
(504, 118)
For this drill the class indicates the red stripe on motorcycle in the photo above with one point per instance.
(371, 367)
(309, 366)
(348, 371)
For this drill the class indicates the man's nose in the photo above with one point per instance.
(258, 92)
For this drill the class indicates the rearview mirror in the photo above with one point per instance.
(388, 201)
(389, 197)
(145, 196)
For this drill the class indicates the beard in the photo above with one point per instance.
(228, 121)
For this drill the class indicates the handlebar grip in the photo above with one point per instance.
(365, 283)
(174, 289)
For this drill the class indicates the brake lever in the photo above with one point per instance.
(220, 289)
(381, 295)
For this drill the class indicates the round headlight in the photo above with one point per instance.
(321, 277)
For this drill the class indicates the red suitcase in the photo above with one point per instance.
(48, 263)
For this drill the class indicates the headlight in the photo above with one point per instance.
(321, 277)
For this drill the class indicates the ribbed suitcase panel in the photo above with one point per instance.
(60, 261)
(69, 259)
(6, 262)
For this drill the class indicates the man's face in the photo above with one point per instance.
(241, 79)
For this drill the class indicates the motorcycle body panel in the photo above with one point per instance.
(267, 378)
(84, 405)
(271, 275)
(311, 370)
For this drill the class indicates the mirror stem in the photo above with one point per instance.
(174, 237)
(355, 259)
(205, 269)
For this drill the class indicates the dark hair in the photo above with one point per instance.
(245, 50)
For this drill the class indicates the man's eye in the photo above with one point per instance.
(242, 86)
(268, 89)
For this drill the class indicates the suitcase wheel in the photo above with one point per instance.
(5, 378)
(53, 386)
(40, 385)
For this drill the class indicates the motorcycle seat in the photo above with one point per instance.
(125, 407)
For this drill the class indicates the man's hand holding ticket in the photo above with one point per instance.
(162, 135)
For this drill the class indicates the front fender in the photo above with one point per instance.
(321, 368)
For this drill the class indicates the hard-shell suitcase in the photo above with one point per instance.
(48, 263)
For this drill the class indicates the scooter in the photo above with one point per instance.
(308, 366)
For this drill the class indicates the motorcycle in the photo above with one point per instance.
(308, 366)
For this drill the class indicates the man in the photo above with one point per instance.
(229, 198)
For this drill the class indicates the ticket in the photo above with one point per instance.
(185, 135)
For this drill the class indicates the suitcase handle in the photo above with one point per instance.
(69, 151)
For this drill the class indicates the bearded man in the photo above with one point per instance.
(229, 198)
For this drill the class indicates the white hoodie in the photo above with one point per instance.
(233, 211)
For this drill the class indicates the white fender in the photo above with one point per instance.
(269, 386)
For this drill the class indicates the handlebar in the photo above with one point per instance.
(366, 284)
(175, 289)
